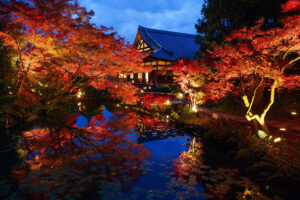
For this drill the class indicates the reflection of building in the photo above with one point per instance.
(165, 48)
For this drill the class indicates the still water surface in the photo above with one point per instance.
(118, 155)
(159, 177)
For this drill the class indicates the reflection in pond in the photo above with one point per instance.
(105, 157)
(78, 162)
(121, 155)
(162, 182)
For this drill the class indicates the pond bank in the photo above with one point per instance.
(293, 125)
(272, 167)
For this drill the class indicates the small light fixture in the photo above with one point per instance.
(168, 102)
(278, 139)
(180, 95)
(270, 138)
(142, 91)
(282, 129)
(167, 116)
(79, 94)
(118, 105)
(79, 103)
(294, 113)
(261, 134)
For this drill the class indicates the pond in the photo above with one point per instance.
(103, 157)
(159, 179)
(121, 154)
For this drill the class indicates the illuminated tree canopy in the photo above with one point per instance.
(251, 59)
(54, 45)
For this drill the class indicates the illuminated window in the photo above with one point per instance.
(147, 77)
(160, 62)
(140, 75)
(132, 76)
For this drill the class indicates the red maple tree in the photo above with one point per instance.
(56, 47)
(152, 101)
(254, 58)
(192, 77)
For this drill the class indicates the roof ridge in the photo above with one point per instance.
(151, 37)
(169, 32)
(153, 40)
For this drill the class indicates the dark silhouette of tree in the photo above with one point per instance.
(220, 17)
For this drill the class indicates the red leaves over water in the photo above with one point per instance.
(89, 151)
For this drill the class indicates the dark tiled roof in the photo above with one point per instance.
(170, 45)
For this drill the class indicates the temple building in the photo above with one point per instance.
(165, 48)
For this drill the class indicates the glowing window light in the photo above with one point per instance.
(147, 77)
(140, 75)
(180, 95)
(294, 113)
(278, 139)
(131, 76)
(142, 91)
(118, 105)
(282, 129)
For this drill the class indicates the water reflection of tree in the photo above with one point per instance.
(78, 162)
(218, 183)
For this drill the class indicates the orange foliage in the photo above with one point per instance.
(150, 101)
(125, 91)
(258, 54)
(55, 45)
